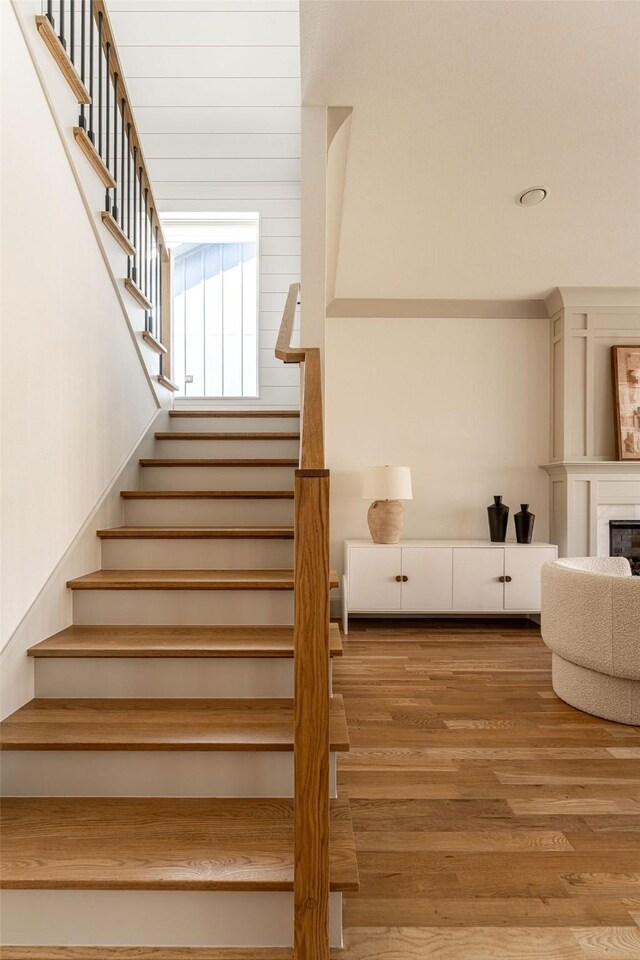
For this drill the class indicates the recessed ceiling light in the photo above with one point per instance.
(532, 196)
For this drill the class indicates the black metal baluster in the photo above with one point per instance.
(122, 166)
(152, 312)
(114, 208)
(145, 277)
(72, 30)
(83, 36)
(61, 34)
(140, 279)
(131, 233)
(149, 251)
(134, 262)
(158, 295)
(107, 78)
(99, 104)
(154, 275)
(90, 132)
(50, 13)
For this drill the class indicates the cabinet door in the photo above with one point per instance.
(476, 578)
(372, 578)
(523, 564)
(430, 578)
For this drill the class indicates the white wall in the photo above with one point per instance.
(76, 398)
(216, 94)
(463, 402)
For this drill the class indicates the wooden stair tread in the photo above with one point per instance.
(234, 413)
(258, 724)
(188, 580)
(207, 494)
(219, 462)
(208, 435)
(175, 641)
(147, 953)
(196, 533)
(156, 843)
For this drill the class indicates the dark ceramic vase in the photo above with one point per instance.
(524, 521)
(498, 514)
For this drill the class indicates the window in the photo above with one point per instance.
(215, 304)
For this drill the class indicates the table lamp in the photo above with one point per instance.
(386, 486)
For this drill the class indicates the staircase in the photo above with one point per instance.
(170, 791)
(148, 787)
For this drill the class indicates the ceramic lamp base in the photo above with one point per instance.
(386, 521)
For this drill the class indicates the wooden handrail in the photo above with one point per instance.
(88, 53)
(311, 655)
(284, 351)
(312, 428)
(115, 66)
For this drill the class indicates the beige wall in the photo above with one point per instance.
(463, 402)
(75, 395)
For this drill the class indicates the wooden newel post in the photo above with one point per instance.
(311, 711)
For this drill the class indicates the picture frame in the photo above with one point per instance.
(625, 363)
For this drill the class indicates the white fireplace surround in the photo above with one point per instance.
(613, 511)
(585, 497)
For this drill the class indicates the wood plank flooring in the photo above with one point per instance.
(492, 820)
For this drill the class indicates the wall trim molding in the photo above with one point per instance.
(403, 309)
(592, 297)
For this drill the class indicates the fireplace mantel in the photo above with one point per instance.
(580, 490)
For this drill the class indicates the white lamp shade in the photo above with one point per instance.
(387, 483)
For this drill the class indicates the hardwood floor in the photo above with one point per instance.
(492, 821)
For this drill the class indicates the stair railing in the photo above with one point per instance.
(80, 37)
(311, 654)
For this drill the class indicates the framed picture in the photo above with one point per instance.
(626, 400)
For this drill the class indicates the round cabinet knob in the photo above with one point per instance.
(401, 579)
(504, 579)
(405, 579)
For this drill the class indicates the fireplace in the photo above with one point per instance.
(624, 541)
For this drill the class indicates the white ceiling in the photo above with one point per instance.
(458, 107)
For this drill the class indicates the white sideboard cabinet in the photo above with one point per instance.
(442, 577)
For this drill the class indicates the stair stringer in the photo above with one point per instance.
(64, 112)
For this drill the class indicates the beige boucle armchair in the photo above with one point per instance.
(591, 623)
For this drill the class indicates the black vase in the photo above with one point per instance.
(498, 520)
(524, 521)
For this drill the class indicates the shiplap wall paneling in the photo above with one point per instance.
(216, 89)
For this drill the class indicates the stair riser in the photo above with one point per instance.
(217, 478)
(227, 448)
(164, 677)
(196, 554)
(192, 607)
(166, 773)
(234, 424)
(159, 917)
(212, 513)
